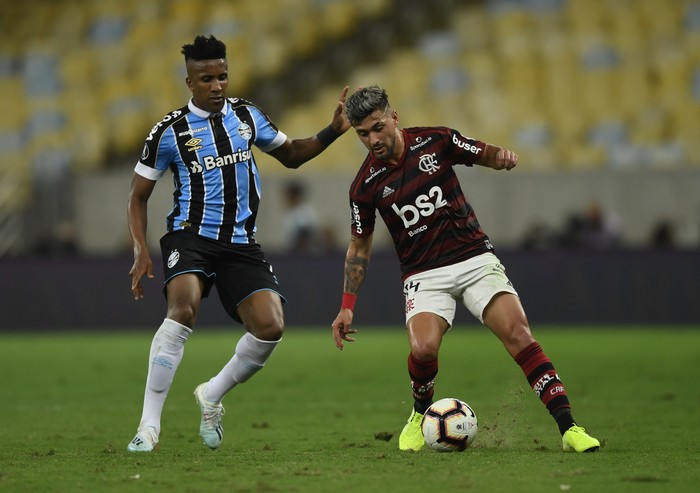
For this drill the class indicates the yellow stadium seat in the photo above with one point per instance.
(372, 9)
(15, 183)
(91, 140)
(581, 156)
(517, 63)
(12, 103)
(184, 10)
(338, 18)
(651, 126)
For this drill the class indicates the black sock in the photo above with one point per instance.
(422, 406)
(564, 419)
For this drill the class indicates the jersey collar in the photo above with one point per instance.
(205, 114)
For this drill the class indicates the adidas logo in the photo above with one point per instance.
(387, 191)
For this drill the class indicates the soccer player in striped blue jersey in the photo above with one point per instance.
(445, 256)
(210, 240)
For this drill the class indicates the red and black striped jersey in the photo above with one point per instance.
(421, 201)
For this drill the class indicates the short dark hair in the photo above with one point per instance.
(204, 48)
(364, 102)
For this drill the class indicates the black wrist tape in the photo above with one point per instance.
(327, 136)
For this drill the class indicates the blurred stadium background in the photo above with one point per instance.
(601, 98)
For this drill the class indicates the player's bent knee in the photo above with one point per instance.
(516, 338)
(271, 331)
(183, 314)
(424, 351)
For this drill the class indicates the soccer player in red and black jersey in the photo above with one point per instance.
(445, 256)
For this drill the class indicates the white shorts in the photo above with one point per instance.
(474, 281)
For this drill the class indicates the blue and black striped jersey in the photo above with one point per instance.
(217, 183)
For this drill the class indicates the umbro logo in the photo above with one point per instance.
(193, 144)
(387, 191)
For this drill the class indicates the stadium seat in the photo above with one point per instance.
(15, 189)
(493, 68)
(338, 18)
(13, 111)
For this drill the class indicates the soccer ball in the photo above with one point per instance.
(449, 425)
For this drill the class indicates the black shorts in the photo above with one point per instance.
(237, 270)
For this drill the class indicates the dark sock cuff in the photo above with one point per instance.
(564, 419)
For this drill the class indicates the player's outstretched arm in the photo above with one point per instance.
(498, 158)
(356, 263)
(294, 153)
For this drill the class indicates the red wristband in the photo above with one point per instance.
(349, 301)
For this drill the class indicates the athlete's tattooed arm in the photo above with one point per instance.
(355, 269)
(356, 263)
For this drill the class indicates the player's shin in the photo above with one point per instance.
(250, 357)
(545, 381)
(422, 375)
(166, 352)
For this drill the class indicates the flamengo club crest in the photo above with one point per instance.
(428, 164)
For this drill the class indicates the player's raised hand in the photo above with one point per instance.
(505, 159)
(342, 327)
(340, 121)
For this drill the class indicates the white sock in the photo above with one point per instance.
(167, 349)
(251, 355)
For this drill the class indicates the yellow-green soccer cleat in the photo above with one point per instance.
(576, 439)
(411, 437)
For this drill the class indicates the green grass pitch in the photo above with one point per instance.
(317, 419)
